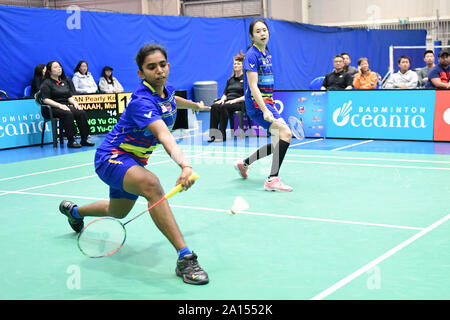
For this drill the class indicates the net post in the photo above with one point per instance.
(391, 59)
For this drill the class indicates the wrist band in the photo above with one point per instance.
(182, 167)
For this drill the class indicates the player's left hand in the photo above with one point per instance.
(200, 106)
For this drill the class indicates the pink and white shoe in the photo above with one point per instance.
(275, 184)
(241, 168)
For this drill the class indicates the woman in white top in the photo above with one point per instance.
(83, 80)
(108, 83)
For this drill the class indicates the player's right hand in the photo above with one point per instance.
(184, 180)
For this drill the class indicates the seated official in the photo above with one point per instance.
(232, 100)
(57, 92)
(365, 79)
(338, 79)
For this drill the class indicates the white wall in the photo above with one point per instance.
(353, 12)
(290, 10)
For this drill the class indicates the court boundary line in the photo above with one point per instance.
(281, 216)
(240, 152)
(352, 145)
(378, 260)
(305, 142)
(320, 156)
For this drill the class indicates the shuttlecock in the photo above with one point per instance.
(239, 205)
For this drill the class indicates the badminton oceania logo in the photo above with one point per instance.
(341, 116)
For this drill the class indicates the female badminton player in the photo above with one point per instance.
(120, 159)
(258, 87)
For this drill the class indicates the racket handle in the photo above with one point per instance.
(179, 187)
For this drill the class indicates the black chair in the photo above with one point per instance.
(57, 124)
(240, 115)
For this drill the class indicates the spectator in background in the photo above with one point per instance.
(38, 78)
(338, 79)
(404, 78)
(108, 83)
(439, 75)
(347, 67)
(422, 73)
(365, 79)
(83, 80)
(232, 100)
(57, 91)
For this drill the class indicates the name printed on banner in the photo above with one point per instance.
(99, 98)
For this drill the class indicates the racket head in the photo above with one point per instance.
(296, 126)
(102, 237)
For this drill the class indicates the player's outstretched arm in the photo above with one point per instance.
(165, 137)
(188, 104)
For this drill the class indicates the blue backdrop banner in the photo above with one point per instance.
(199, 49)
(381, 114)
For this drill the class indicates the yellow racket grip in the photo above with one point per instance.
(179, 187)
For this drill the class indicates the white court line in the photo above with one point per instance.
(238, 152)
(378, 260)
(352, 145)
(337, 163)
(368, 165)
(320, 157)
(47, 185)
(47, 171)
(227, 211)
(364, 158)
(55, 170)
(305, 142)
(76, 179)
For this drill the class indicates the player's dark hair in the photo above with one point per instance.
(147, 50)
(252, 25)
(338, 56)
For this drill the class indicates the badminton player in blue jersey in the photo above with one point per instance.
(258, 89)
(119, 161)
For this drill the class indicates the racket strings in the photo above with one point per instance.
(101, 237)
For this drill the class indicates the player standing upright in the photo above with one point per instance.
(258, 87)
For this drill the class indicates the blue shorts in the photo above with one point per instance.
(257, 115)
(111, 169)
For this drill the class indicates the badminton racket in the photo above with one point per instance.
(104, 236)
(296, 126)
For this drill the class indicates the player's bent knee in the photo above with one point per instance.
(152, 190)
